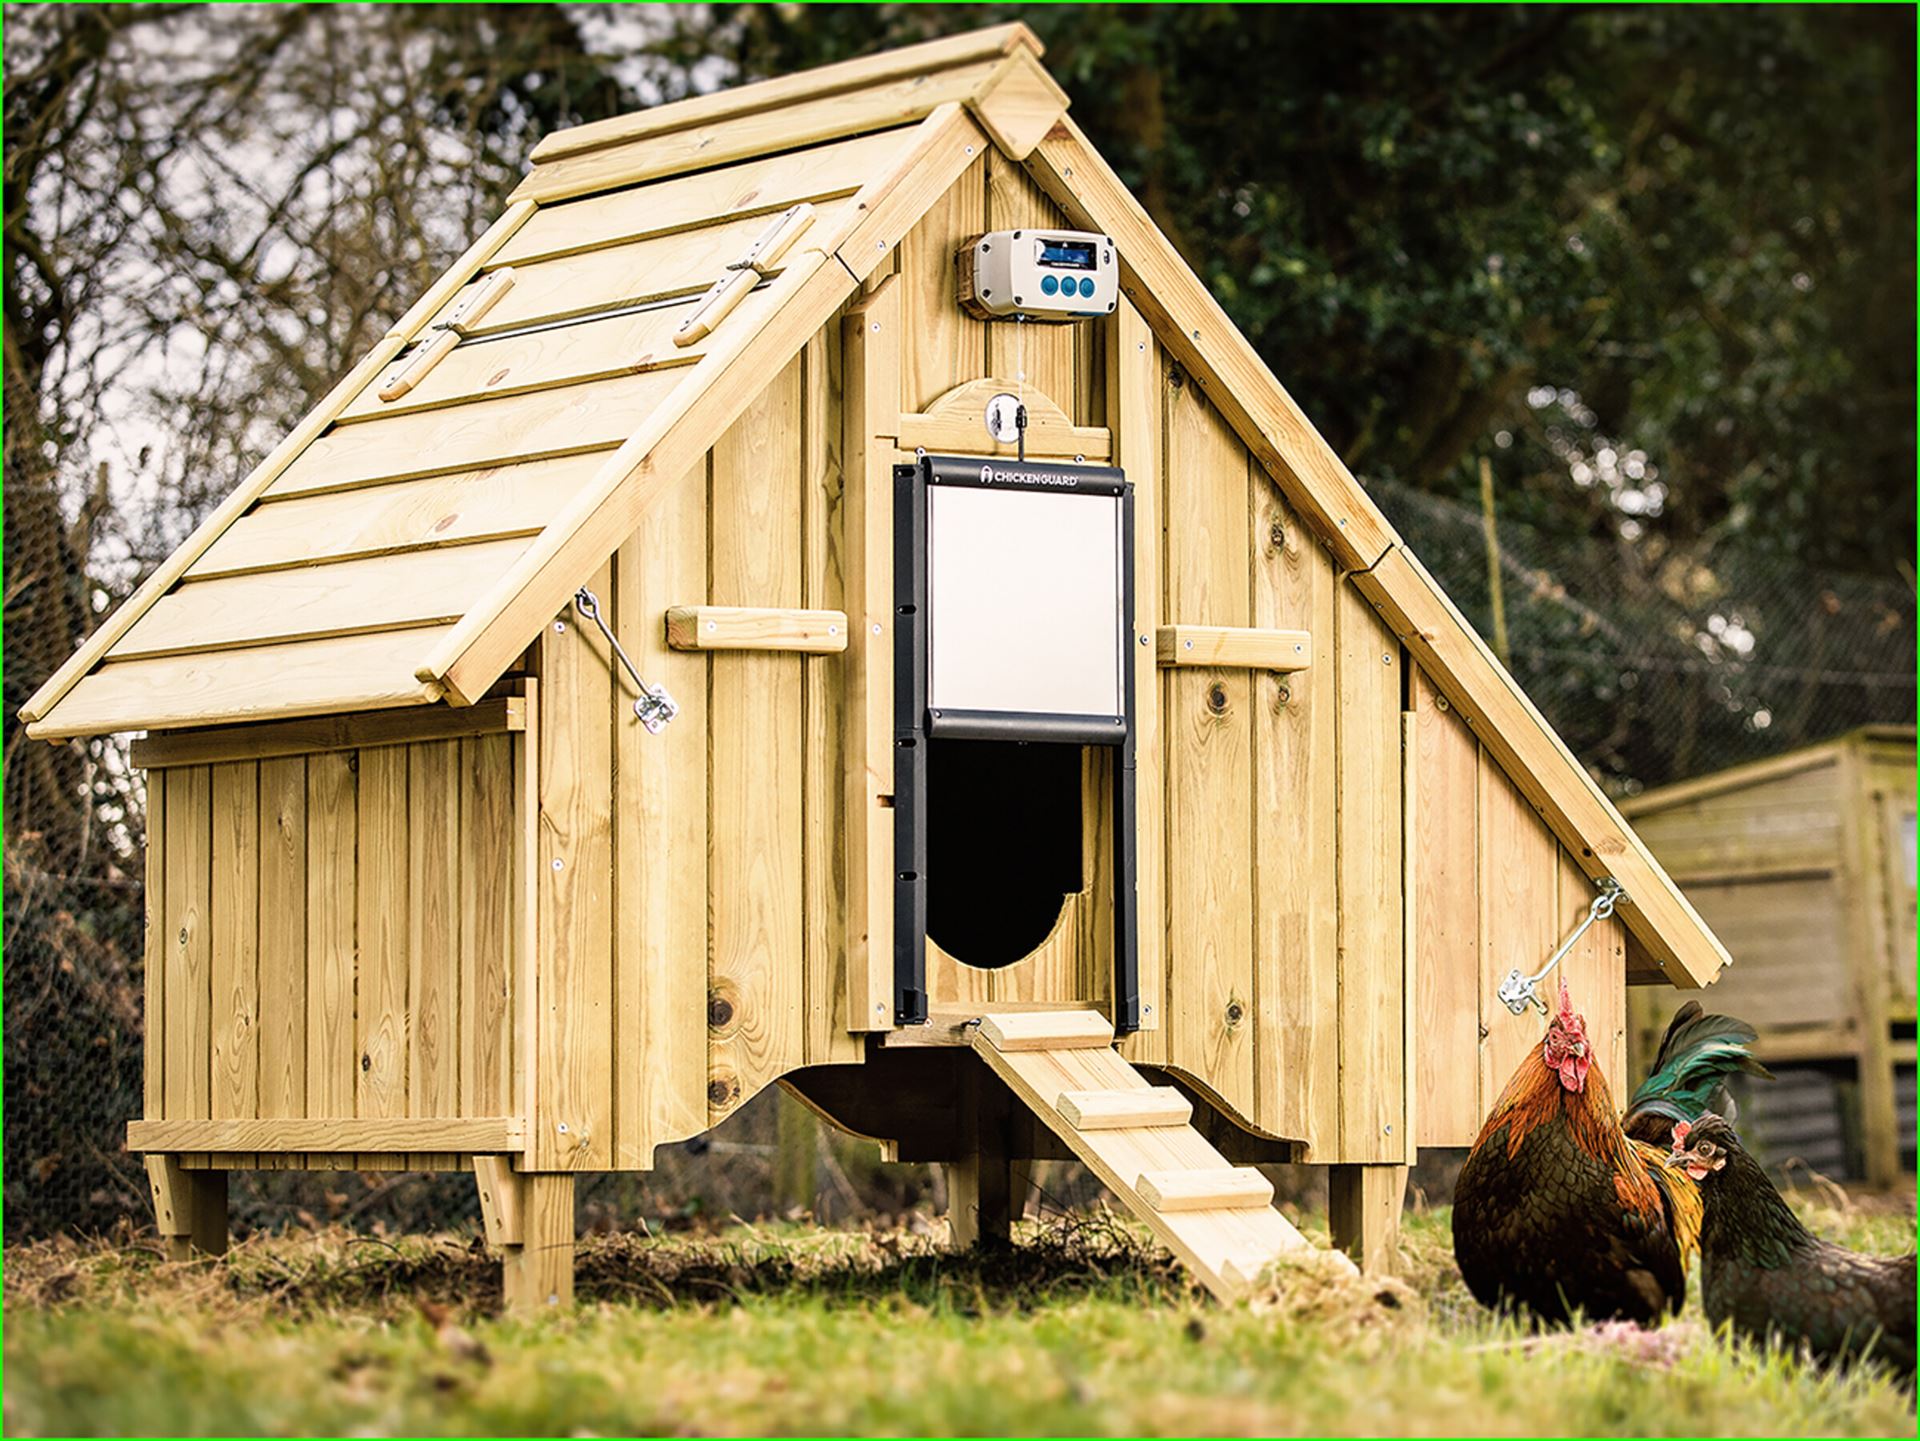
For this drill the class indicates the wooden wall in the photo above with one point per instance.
(1493, 890)
(1279, 850)
(692, 914)
(332, 937)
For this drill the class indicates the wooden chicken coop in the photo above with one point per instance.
(742, 627)
(1804, 864)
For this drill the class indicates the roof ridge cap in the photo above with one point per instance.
(949, 52)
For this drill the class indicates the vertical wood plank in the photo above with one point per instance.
(660, 827)
(1519, 919)
(380, 1007)
(332, 931)
(1134, 418)
(523, 964)
(946, 346)
(433, 863)
(1295, 899)
(757, 1007)
(283, 936)
(158, 948)
(1596, 971)
(235, 898)
(872, 339)
(1040, 355)
(189, 980)
(1372, 966)
(573, 1129)
(1210, 765)
(823, 701)
(484, 1038)
(1447, 933)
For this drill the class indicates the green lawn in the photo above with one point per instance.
(788, 1329)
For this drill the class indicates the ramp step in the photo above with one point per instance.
(1230, 1188)
(1046, 1030)
(1120, 1110)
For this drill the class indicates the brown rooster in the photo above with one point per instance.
(1562, 1206)
(1768, 1275)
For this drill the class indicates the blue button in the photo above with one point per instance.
(1049, 285)
(1086, 285)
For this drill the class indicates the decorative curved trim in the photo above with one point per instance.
(957, 423)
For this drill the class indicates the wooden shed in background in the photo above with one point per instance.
(426, 892)
(1804, 865)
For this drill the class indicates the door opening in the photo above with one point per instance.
(1003, 844)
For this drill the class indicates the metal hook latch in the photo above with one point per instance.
(1517, 992)
(653, 707)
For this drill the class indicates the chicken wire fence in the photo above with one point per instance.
(1655, 668)
(1651, 672)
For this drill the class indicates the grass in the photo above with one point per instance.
(1084, 1330)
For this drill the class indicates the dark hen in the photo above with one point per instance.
(1769, 1276)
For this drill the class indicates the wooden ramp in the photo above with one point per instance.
(1216, 1217)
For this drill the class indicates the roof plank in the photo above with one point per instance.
(468, 505)
(551, 358)
(487, 432)
(342, 598)
(760, 186)
(370, 672)
(640, 272)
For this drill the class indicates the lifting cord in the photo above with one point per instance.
(653, 707)
(1517, 992)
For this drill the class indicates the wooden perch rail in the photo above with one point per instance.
(740, 627)
(1237, 646)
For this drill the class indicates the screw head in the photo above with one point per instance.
(559, 627)
(562, 1128)
(558, 864)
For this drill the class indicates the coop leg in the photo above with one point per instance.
(980, 1183)
(980, 1200)
(1363, 1213)
(537, 1269)
(189, 1208)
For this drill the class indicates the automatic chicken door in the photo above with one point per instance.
(1014, 590)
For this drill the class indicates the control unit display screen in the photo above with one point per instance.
(1069, 254)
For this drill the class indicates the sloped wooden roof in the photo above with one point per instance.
(405, 552)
